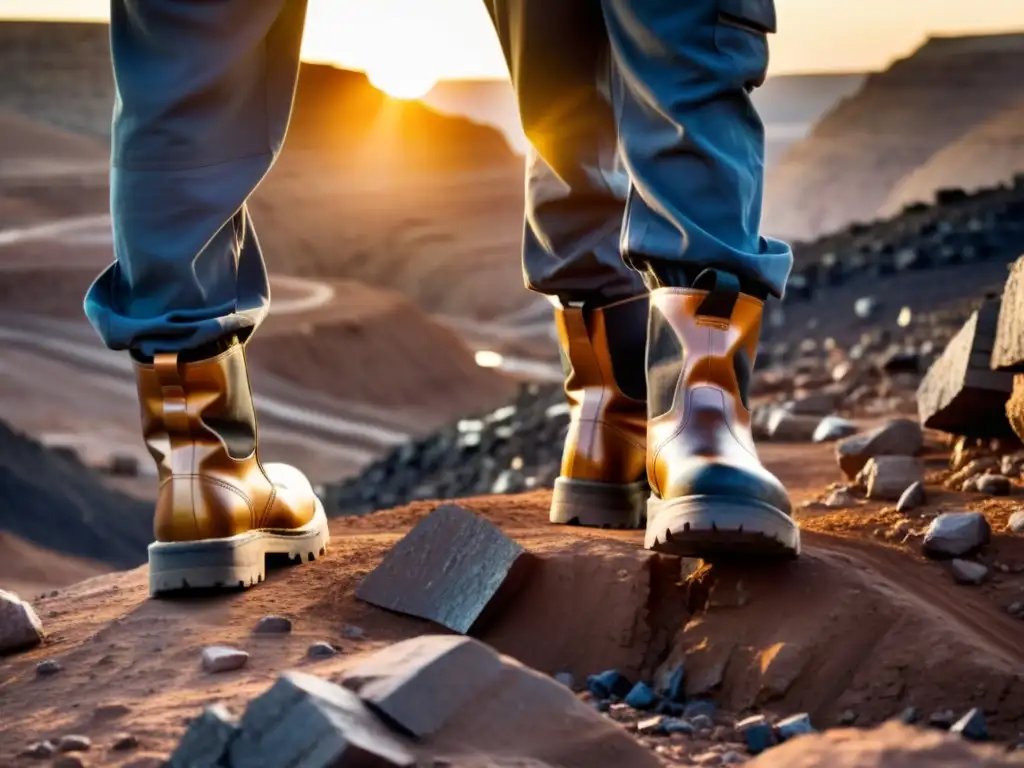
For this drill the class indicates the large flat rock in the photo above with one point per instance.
(960, 394)
(303, 720)
(1008, 342)
(490, 705)
(419, 684)
(454, 568)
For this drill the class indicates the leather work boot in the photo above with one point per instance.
(602, 481)
(219, 511)
(709, 493)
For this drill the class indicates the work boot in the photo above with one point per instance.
(603, 477)
(219, 511)
(709, 493)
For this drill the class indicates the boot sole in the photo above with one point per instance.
(234, 562)
(710, 526)
(594, 504)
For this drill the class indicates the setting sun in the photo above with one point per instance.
(401, 81)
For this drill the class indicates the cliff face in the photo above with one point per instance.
(848, 166)
(983, 157)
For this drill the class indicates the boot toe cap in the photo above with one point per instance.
(703, 477)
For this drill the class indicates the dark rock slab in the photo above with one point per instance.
(528, 715)
(454, 568)
(420, 684)
(303, 720)
(206, 741)
(960, 394)
(1008, 339)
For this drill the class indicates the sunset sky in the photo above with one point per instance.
(453, 38)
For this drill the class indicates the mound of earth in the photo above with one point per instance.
(838, 634)
(890, 746)
(29, 569)
(989, 154)
(846, 169)
(53, 501)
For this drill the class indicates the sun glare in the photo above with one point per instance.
(401, 81)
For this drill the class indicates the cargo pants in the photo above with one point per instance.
(644, 146)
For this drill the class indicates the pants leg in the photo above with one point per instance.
(204, 95)
(558, 59)
(690, 137)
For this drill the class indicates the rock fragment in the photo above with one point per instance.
(967, 571)
(888, 477)
(971, 726)
(608, 684)
(912, 498)
(303, 720)
(833, 428)
(454, 568)
(641, 696)
(221, 658)
(840, 498)
(402, 681)
(1016, 524)
(794, 725)
(49, 667)
(124, 742)
(206, 741)
(787, 427)
(994, 485)
(1008, 335)
(960, 393)
(953, 534)
(898, 437)
(273, 625)
(321, 650)
(20, 627)
(757, 733)
(40, 749)
(74, 743)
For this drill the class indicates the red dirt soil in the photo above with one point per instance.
(855, 624)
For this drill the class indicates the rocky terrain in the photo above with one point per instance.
(859, 153)
(574, 647)
(449, 624)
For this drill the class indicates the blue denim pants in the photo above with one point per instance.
(645, 146)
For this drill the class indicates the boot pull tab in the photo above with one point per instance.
(172, 392)
(723, 290)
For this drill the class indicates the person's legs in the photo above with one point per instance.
(694, 148)
(204, 93)
(558, 59)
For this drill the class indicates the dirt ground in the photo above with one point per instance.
(860, 623)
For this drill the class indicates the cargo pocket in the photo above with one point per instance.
(741, 33)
